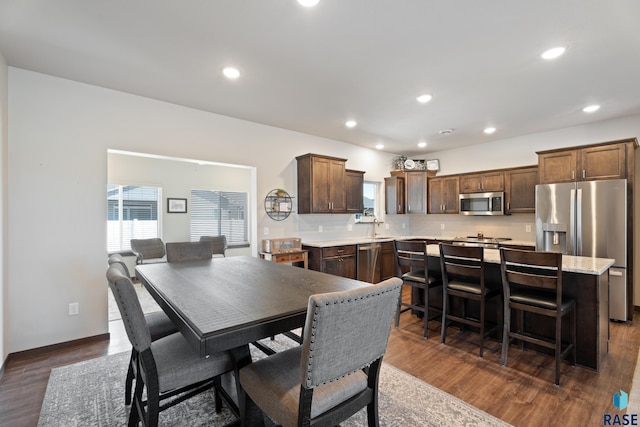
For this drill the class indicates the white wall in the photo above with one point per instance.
(59, 135)
(3, 207)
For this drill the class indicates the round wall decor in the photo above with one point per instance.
(278, 204)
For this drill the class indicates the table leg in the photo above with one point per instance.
(250, 414)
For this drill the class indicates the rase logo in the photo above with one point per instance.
(620, 401)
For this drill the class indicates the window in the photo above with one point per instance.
(132, 213)
(370, 191)
(215, 213)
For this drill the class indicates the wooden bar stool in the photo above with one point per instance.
(532, 282)
(463, 277)
(413, 255)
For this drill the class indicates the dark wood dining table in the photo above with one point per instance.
(227, 303)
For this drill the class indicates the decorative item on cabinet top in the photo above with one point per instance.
(402, 163)
(277, 204)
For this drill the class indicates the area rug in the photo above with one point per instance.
(91, 393)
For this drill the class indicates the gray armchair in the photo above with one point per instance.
(188, 251)
(147, 250)
(168, 369)
(335, 372)
(218, 244)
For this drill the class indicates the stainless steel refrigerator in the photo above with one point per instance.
(589, 219)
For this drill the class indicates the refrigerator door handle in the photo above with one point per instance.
(571, 249)
(579, 222)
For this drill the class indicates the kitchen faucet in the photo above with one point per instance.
(374, 224)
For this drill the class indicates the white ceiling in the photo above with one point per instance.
(311, 69)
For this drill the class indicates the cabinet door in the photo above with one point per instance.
(436, 196)
(493, 181)
(450, 194)
(354, 191)
(320, 173)
(337, 194)
(394, 195)
(557, 167)
(471, 183)
(520, 189)
(603, 162)
(416, 192)
(344, 266)
(387, 262)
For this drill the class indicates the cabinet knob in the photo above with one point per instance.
(573, 174)
(584, 174)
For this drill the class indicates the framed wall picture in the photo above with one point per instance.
(176, 205)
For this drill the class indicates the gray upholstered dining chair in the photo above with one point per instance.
(148, 250)
(188, 251)
(158, 323)
(218, 244)
(334, 373)
(167, 369)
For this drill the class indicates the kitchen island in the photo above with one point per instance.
(584, 279)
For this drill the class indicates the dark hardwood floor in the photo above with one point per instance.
(522, 393)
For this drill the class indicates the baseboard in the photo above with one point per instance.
(67, 344)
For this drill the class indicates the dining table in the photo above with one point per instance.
(226, 303)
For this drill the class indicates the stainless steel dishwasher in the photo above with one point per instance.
(368, 261)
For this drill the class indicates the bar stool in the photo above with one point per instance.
(532, 282)
(463, 277)
(413, 255)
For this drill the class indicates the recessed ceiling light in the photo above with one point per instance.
(424, 98)
(308, 3)
(379, 146)
(350, 123)
(446, 132)
(591, 108)
(231, 72)
(422, 144)
(489, 130)
(553, 53)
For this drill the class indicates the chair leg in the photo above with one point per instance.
(506, 328)
(482, 326)
(129, 381)
(217, 386)
(521, 327)
(445, 310)
(373, 420)
(558, 347)
(398, 309)
(575, 334)
(425, 332)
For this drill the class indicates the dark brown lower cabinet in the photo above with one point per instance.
(387, 261)
(336, 260)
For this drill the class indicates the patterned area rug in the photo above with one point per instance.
(91, 393)
(634, 393)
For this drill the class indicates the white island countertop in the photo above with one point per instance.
(573, 264)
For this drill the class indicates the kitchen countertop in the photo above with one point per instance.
(574, 264)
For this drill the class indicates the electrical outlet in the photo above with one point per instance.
(349, 227)
(319, 229)
(404, 225)
(74, 308)
(527, 228)
(441, 226)
(266, 231)
(386, 226)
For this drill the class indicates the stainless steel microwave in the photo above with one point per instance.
(482, 204)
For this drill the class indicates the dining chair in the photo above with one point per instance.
(532, 283)
(335, 372)
(148, 250)
(218, 244)
(188, 251)
(167, 370)
(463, 278)
(411, 255)
(158, 323)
